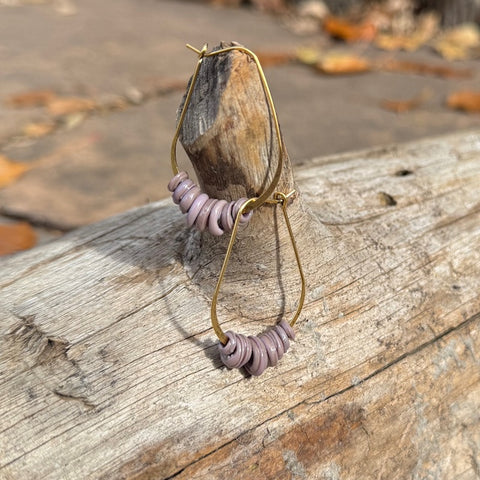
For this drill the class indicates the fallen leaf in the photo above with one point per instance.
(65, 106)
(402, 106)
(458, 43)
(74, 120)
(308, 56)
(39, 129)
(273, 59)
(343, 29)
(10, 170)
(342, 64)
(419, 68)
(427, 26)
(34, 98)
(466, 100)
(15, 237)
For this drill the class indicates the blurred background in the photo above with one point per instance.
(89, 90)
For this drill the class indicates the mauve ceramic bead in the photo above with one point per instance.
(202, 218)
(283, 336)
(189, 198)
(288, 329)
(271, 350)
(195, 208)
(214, 218)
(176, 180)
(181, 190)
(229, 347)
(247, 350)
(236, 207)
(233, 359)
(227, 219)
(278, 342)
(259, 359)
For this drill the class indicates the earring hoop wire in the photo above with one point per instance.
(263, 197)
(283, 200)
(251, 203)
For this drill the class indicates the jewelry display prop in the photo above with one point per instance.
(218, 216)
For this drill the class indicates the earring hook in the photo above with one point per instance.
(263, 197)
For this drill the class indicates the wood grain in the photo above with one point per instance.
(108, 365)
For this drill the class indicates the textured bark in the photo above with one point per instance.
(109, 367)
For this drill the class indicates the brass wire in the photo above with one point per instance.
(262, 198)
(251, 203)
(281, 198)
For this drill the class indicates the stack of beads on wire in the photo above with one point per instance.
(202, 211)
(257, 353)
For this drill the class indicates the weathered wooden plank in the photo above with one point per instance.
(108, 366)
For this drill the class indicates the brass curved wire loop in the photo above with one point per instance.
(263, 197)
(282, 199)
(251, 203)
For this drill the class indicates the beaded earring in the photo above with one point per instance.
(255, 353)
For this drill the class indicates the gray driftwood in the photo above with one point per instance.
(109, 367)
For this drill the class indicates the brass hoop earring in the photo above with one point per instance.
(218, 216)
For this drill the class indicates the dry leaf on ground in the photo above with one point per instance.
(457, 43)
(342, 64)
(308, 55)
(16, 237)
(426, 28)
(273, 59)
(68, 105)
(403, 106)
(466, 100)
(10, 170)
(350, 32)
(420, 68)
(38, 129)
(34, 98)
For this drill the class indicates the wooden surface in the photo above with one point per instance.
(108, 365)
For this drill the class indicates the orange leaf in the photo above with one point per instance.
(273, 59)
(350, 32)
(37, 130)
(35, 98)
(66, 106)
(427, 26)
(342, 64)
(10, 170)
(16, 237)
(402, 106)
(419, 68)
(466, 100)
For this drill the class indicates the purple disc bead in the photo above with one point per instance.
(176, 180)
(214, 218)
(259, 360)
(229, 347)
(227, 220)
(278, 342)
(189, 198)
(247, 350)
(283, 336)
(195, 208)
(202, 219)
(181, 190)
(271, 349)
(236, 207)
(288, 329)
